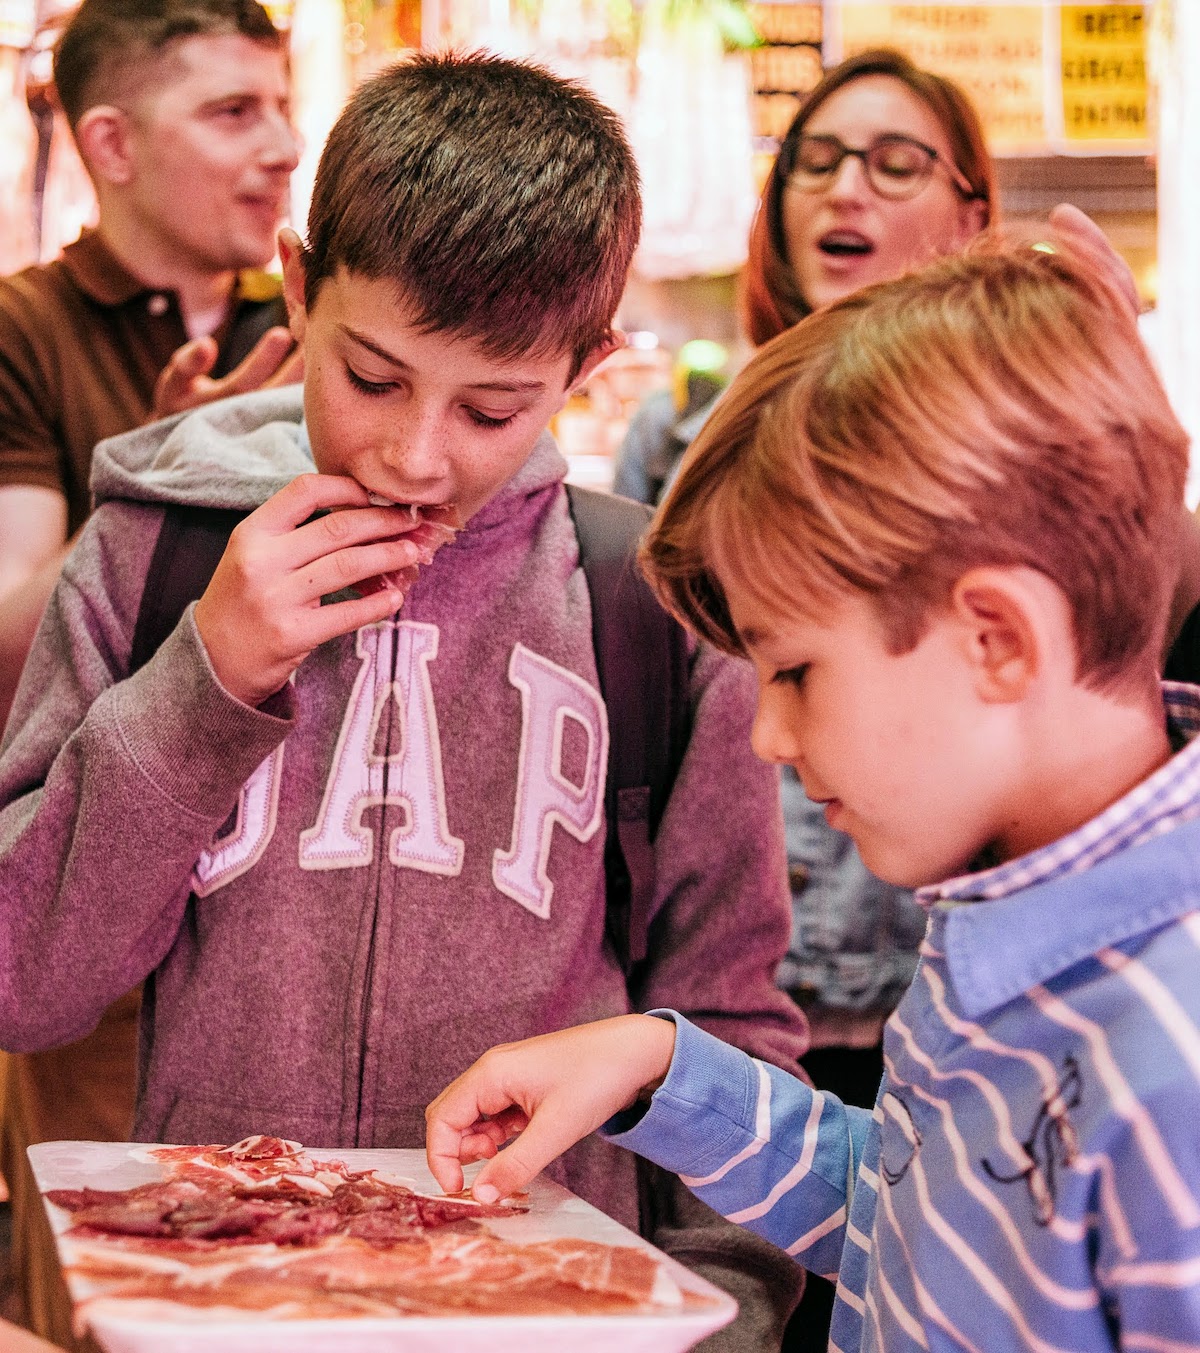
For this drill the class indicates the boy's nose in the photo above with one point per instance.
(416, 448)
(773, 735)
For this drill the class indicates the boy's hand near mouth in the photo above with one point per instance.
(433, 525)
(261, 615)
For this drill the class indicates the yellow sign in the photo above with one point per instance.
(996, 52)
(1104, 73)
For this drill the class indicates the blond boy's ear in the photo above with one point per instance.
(1014, 624)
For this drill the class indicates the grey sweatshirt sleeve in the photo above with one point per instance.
(110, 787)
(722, 907)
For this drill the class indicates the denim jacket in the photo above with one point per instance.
(854, 939)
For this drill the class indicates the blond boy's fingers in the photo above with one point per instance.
(455, 1115)
(550, 1131)
(448, 1147)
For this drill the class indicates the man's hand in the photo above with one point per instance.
(261, 614)
(184, 382)
(1077, 231)
(547, 1093)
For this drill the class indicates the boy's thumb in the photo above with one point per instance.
(516, 1165)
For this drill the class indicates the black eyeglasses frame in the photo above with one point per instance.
(785, 164)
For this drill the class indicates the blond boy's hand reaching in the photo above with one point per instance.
(261, 614)
(543, 1094)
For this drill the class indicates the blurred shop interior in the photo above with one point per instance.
(1073, 97)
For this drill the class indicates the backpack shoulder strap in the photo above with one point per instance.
(190, 544)
(642, 662)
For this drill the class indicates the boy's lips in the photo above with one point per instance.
(833, 810)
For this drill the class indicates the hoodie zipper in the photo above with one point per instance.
(382, 834)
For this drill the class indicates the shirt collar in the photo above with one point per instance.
(1055, 906)
(99, 273)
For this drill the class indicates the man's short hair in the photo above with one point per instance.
(106, 48)
(503, 202)
(997, 408)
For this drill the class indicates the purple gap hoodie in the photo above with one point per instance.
(340, 899)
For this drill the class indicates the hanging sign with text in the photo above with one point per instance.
(1046, 77)
(1104, 74)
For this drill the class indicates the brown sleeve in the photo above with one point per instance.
(29, 396)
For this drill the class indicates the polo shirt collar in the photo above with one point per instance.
(1006, 929)
(100, 274)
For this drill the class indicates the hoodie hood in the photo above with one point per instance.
(235, 453)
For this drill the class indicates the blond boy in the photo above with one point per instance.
(933, 517)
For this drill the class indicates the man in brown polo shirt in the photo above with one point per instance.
(181, 114)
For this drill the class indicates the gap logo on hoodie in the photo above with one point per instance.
(411, 778)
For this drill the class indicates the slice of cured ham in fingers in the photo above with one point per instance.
(435, 525)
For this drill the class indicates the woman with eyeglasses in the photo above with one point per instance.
(883, 169)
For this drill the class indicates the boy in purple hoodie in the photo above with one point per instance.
(352, 840)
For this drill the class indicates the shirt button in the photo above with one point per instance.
(158, 305)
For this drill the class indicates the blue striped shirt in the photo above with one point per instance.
(1030, 1176)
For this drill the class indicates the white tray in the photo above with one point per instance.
(553, 1212)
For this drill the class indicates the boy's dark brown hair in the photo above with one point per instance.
(996, 408)
(771, 299)
(501, 201)
(110, 46)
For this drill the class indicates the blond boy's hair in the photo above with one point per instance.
(996, 408)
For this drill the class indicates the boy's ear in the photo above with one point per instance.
(603, 350)
(1005, 618)
(291, 256)
(105, 144)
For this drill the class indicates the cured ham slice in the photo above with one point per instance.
(441, 1276)
(434, 526)
(262, 1229)
(221, 1195)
